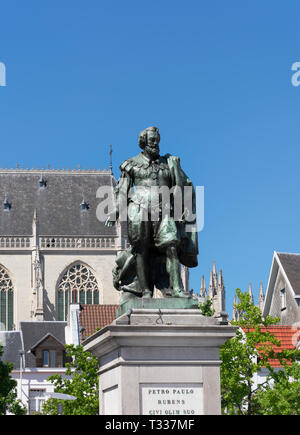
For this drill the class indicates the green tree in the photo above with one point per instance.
(81, 382)
(283, 396)
(8, 390)
(245, 355)
(206, 307)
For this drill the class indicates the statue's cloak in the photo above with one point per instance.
(188, 248)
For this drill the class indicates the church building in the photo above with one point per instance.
(53, 249)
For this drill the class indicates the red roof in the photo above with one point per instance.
(94, 317)
(288, 335)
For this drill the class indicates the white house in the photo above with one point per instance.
(37, 351)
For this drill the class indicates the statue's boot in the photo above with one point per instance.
(147, 294)
(180, 293)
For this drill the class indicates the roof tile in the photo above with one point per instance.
(288, 335)
(93, 317)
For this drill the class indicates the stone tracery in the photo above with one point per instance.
(77, 285)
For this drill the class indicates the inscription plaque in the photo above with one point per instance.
(171, 399)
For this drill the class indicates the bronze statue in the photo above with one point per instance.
(159, 244)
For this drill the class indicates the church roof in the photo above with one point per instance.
(65, 201)
(291, 266)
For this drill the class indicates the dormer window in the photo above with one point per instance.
(84, 205)
(49, 352)
(6, 204)
(42, 183)
(283, 299)
(49, 358)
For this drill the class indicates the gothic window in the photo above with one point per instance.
(78, 286)
(6, 300)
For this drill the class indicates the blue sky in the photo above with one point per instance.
(214, 76)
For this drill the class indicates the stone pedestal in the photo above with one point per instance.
(160, 362)
(129, 302)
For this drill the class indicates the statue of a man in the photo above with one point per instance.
(158, 245)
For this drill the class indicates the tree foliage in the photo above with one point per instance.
(8, 390)
(206, 308)
(245, 355)
(81, 382)
(283, 398)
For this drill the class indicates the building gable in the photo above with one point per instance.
(281, 295)
(49, 352)
(48, 341)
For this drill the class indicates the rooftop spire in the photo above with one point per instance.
(261, 297)
(110, 155)
(235, 313)
(250, 292)
(212, 289)
(214, 267)
(203, 292)
(220, 280)
(215, 275)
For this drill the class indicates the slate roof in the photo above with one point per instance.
(33, 332)
(93, 317)
(58, 204)
(291, 265)
(12, 344)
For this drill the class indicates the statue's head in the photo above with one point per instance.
(149, 141)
